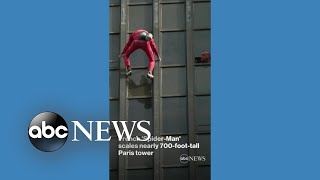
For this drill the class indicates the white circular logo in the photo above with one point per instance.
(184, 158)
(48, 131)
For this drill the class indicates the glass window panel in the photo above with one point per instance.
(181, 173)
(173, 16)
(174, 115)
(174, 81)
(201, 42)
(114, 83)
(140, 17)
(202, 80)
(139, 84)
(202, 110)
(114, 1)
(173, 49)
(143, 174)
(203, 173)
(201, 15)
(114, 19)
(114, 175)
(114, 46)
(114, 109)
(114, 153)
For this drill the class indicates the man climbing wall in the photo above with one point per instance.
(140, 39)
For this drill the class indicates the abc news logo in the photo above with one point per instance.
(48, 131)
(184, 158)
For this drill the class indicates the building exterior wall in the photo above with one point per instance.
(177, 101)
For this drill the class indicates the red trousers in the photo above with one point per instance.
(139, 45)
